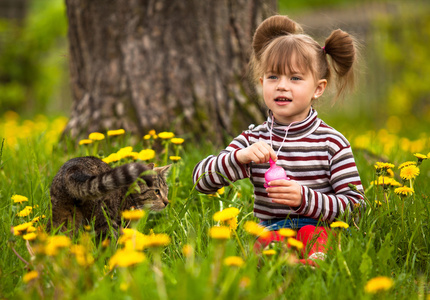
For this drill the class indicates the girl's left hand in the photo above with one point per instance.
(286, 192)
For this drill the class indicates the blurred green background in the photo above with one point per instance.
(393, 89)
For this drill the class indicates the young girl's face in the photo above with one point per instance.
(289, 96)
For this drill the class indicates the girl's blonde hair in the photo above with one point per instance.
(280, 43)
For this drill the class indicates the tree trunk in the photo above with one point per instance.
(163, 65)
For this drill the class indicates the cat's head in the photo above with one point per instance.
(153, 197)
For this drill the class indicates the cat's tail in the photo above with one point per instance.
(86, 186)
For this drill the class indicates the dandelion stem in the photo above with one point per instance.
(219, 253)
(19, 256)
(166, 154)
(161, 287)
(386, 200)
(240, 244)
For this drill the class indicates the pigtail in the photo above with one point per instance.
(270, 29)
(343, 51)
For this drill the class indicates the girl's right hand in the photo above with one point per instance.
(259, 153)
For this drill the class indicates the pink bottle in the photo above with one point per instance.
(274, 173)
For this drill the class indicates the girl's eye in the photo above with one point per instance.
(272, 77)
(295, 78)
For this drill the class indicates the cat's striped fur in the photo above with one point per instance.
(86, 188)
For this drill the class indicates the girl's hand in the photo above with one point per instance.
(286, 192)
(259, 153)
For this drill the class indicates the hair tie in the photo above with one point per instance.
(323, 48)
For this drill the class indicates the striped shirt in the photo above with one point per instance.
(315, 155)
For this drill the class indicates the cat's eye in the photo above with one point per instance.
(157, 192)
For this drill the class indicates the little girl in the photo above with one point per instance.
(294, 72)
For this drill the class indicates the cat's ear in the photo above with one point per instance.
(151, 166)
(164, 170)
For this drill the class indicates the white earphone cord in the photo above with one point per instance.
(285, 137)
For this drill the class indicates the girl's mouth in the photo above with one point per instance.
(283, 100)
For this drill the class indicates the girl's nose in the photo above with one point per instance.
(282, 85)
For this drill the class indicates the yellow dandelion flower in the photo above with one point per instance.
(129, 234)
(382, 180)
(269, 252)
(232, 223)
(83, 257)
(124, 286)
(133, 215)
(390, 173)
(255, 229)
(409, 172)
(226, 214)
(96, 136)
(383, 166)
(146, 154)
(151, 134)
(37, 219)
(87, 227)
(85, 142)
(407, 163)
(166, 135)
(287, 232)
(30, 276)
(187, 250)
(31, 229)
(19, 229)
(177, 141)
(218, 192)
(234, 261)
(29, 236)
(295, 243)
(339, 224)
(116, 132)
(377, 284)
(244, 282)
(138, 242)
(395, 183)
(106, 243)
(404, 191)
(55, 243)
(220, 232)
(420, 156)
(19, 199)
(157, 240)
(25, 212)
(126, 258)
(175, 158)
(113, 157)
(125, 152)
(379, 203)
(160, 239)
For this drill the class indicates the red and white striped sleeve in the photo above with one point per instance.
(329, 206)
(214, 172)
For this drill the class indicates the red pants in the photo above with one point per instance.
(314, 240)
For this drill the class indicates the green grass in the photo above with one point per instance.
(386, 242)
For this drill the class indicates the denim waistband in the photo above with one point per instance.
(293, 223)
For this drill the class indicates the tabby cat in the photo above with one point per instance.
(86, 189)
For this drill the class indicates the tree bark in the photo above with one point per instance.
(163, 65)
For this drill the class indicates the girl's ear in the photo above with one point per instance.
(321, 85)
(261, 80)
